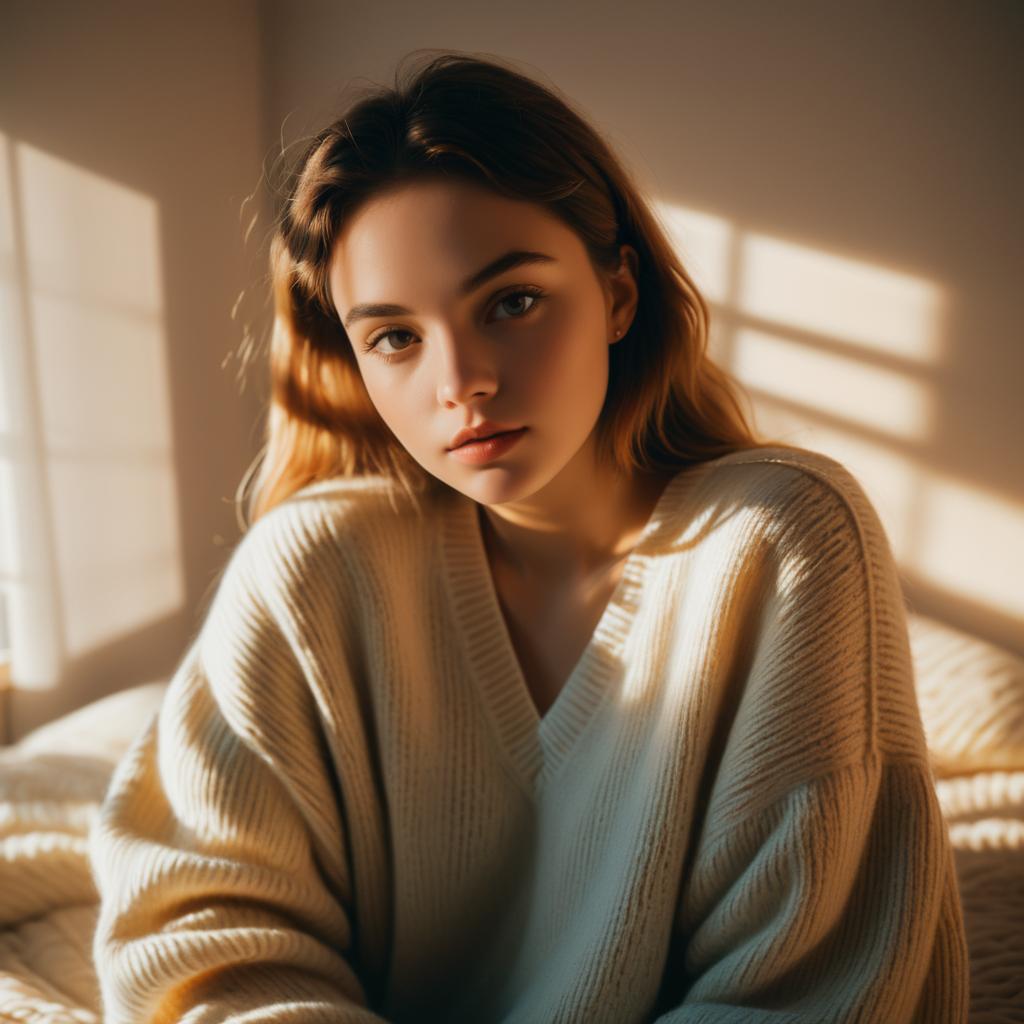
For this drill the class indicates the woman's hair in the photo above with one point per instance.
(464, 118)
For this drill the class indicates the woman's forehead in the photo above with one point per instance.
(429, 237)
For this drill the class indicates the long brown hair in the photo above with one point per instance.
(464, 117)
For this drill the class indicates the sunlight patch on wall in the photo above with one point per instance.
(972, 543)
(704, 243)
(842, 356)
(96, 423)
(875, 397)
(840, 299)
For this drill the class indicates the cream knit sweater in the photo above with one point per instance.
(348, 809)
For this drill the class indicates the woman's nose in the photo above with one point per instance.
(466, 369)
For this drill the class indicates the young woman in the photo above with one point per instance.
(540, 690)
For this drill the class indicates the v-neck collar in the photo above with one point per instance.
(537, 745)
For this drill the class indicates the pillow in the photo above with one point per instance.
(971, 695)
(103, 729)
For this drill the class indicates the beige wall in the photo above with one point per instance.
(845, 184)
(842, 180)
(131, 136)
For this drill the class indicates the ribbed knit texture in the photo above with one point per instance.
(349, 810)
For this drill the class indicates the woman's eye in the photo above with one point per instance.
(374, 343)
(517, 297)
(513, 299)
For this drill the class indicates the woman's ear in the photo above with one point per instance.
(623, 293)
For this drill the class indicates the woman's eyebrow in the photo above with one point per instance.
(512, 258)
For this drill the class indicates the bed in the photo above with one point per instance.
(52, 781)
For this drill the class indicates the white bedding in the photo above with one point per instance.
(51, 784)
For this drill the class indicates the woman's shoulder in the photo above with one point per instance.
(784, 464)
(793, 490)
(778, 505)
(323, 534)
(317, 518)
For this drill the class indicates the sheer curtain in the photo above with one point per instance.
(29, 634)
(89, 546)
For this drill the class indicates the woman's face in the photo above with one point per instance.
(525, 347)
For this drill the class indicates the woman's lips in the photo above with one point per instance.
(488, 448)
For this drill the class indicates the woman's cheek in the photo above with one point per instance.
(387, 398)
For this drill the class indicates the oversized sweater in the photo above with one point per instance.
(348, 809)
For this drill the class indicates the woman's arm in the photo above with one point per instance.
(836, 903)
(219, 851)
(822, 887)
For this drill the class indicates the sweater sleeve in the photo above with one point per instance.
(219, 849)
(822, 886)
(837, 903)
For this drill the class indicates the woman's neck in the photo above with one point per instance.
(571, 529)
